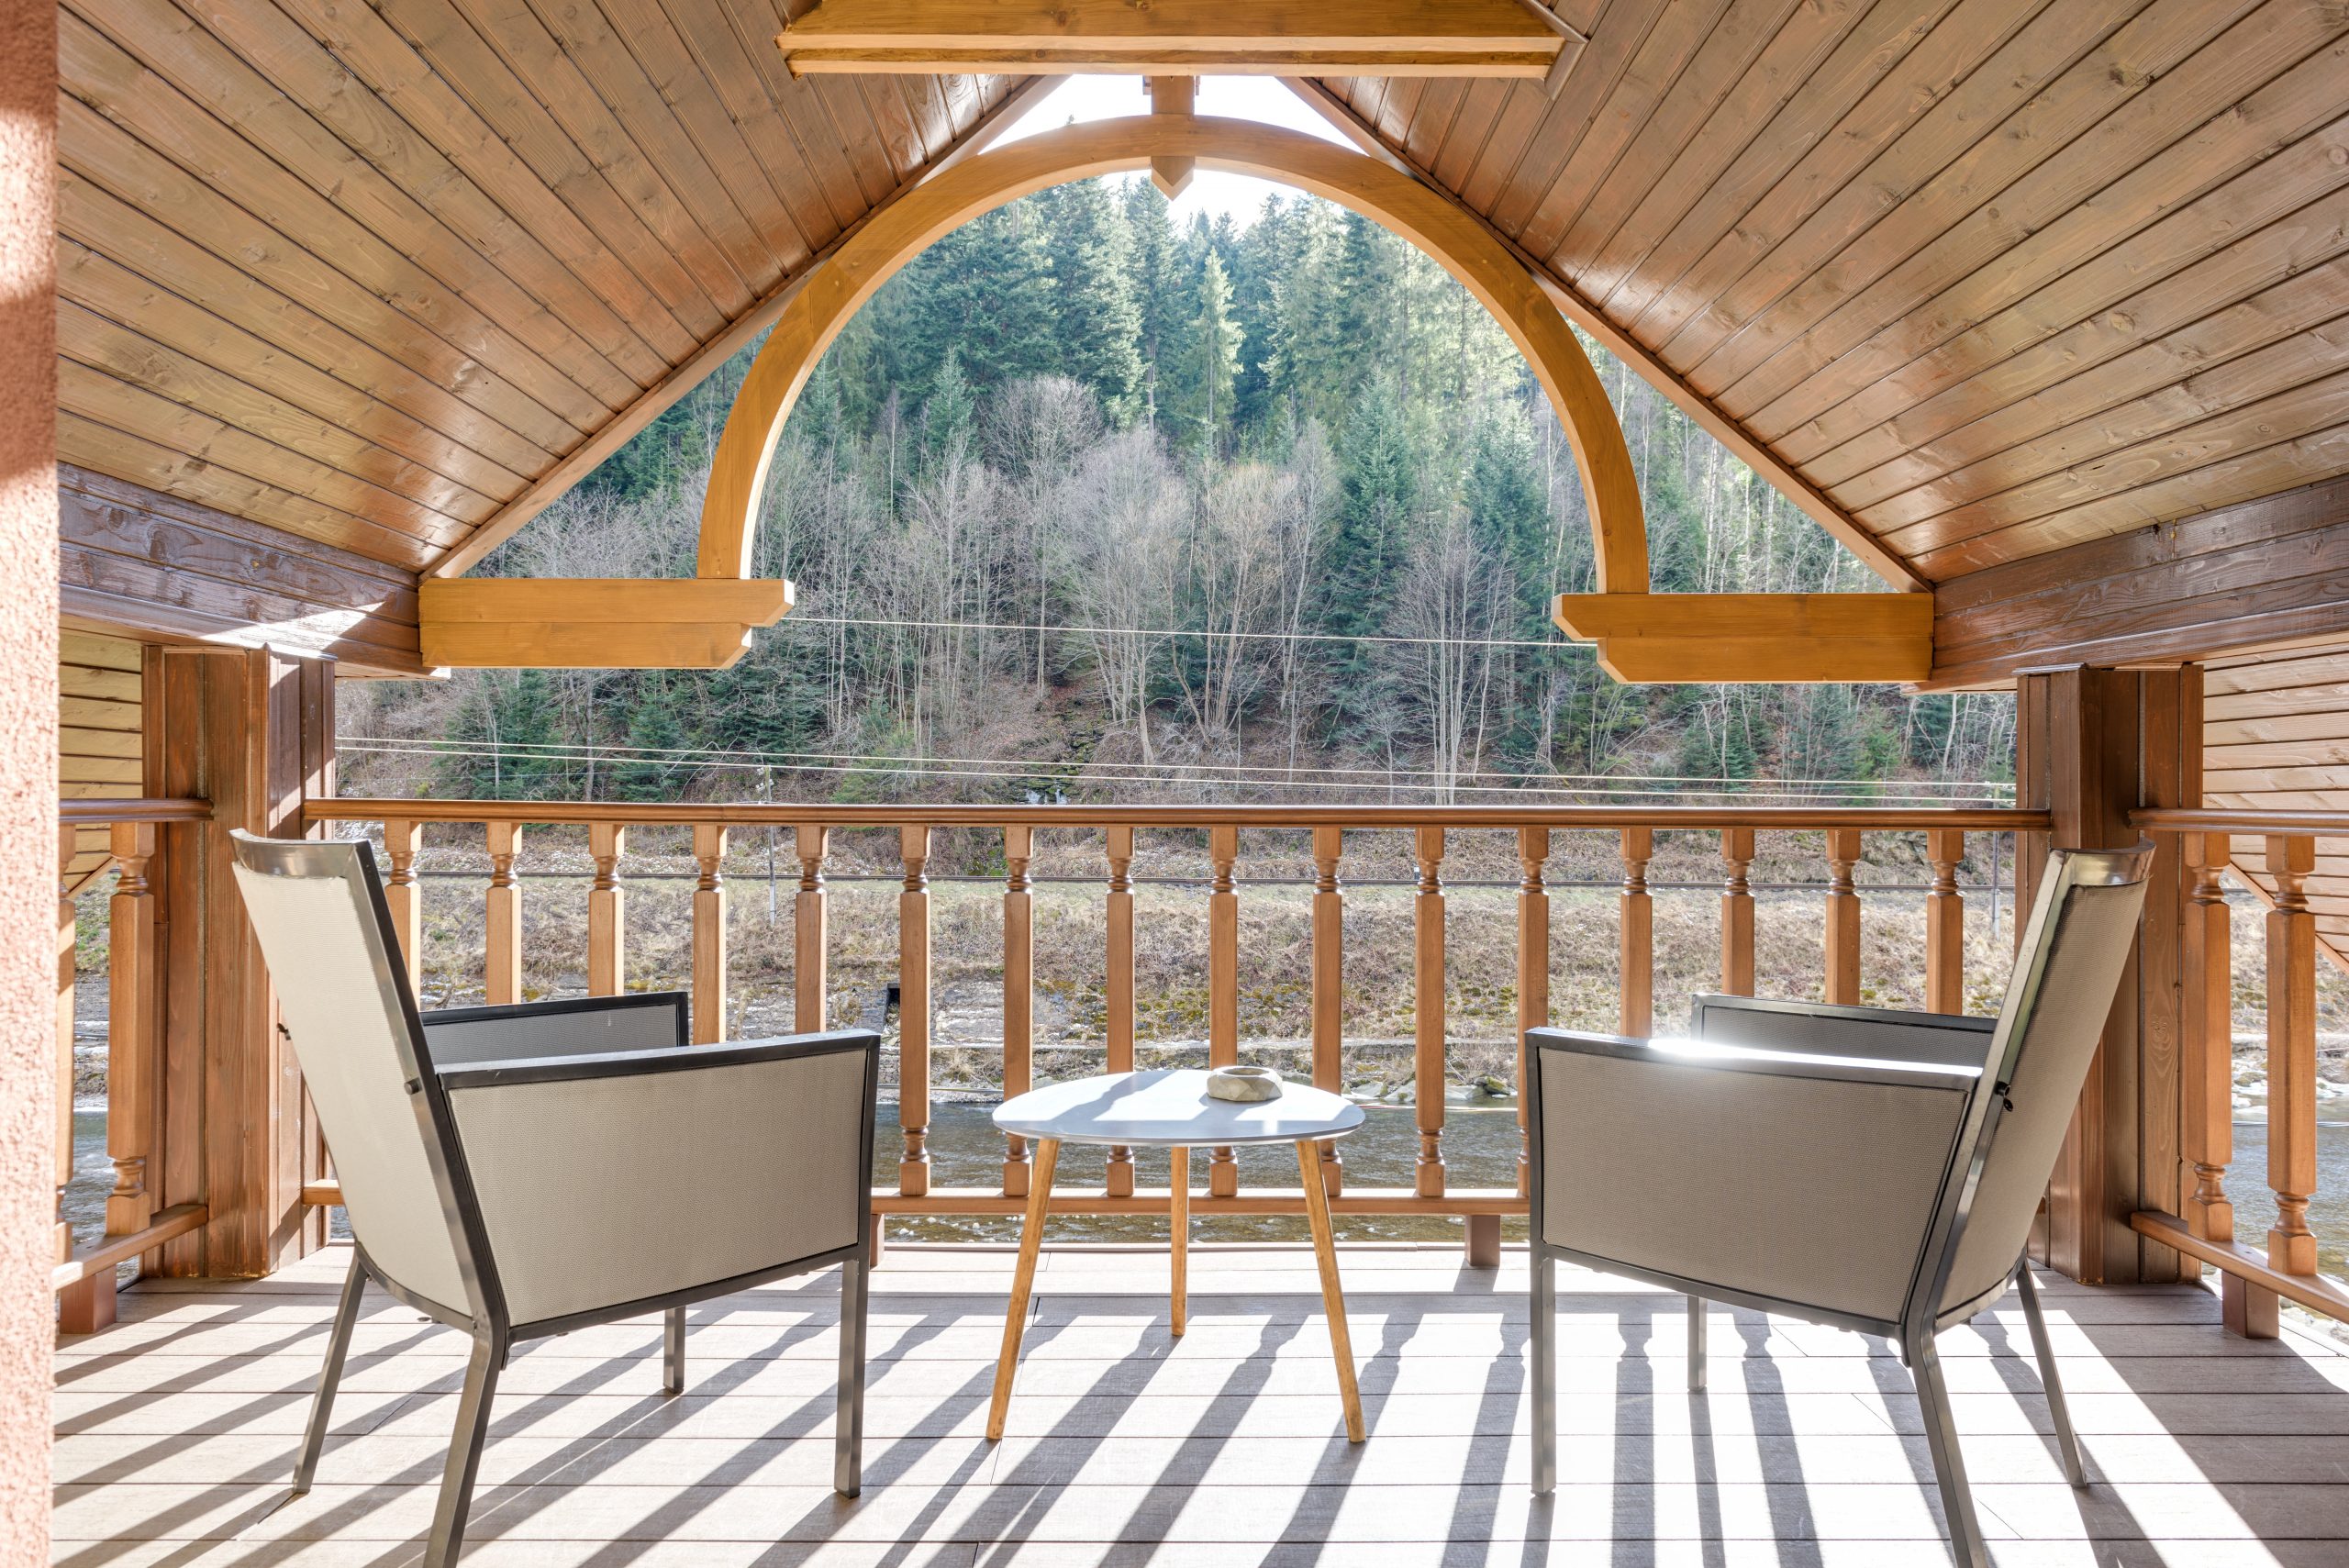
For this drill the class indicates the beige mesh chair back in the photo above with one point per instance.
(1867, 1169)
(516, 1171)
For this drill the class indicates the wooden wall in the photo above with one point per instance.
(2276, 731)
(98, 686)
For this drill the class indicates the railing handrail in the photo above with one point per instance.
(1896, 819)
(99, 812)
(2232, 819)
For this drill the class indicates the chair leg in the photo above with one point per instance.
(2066, 1443)
(465, 1452)
(1949, 1464)
(848, 1458)
(1543, 1338)
(673, 1347)
(1695, 1344)
(346, 1317)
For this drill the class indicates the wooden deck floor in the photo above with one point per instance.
(176, 1430)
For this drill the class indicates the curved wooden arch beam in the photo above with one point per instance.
(904, 230)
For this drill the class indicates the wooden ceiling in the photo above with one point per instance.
(1975, 279)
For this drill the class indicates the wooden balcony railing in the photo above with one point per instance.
(2252, 1279)
(134, 1224)
(1432, 830)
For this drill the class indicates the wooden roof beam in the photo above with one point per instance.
(1854, 536)
(1185, 37)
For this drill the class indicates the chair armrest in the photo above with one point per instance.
(643, 1020)
(1800, 1178)
(624, 1177)
(1883, 1033)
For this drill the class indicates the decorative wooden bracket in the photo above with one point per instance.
(1186, 37)
(604, 623)
(1172, 95)
(1754, 639)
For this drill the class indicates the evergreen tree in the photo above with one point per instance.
(1156, 285)
(1100, 319)
(654, 732)
(1205, 366)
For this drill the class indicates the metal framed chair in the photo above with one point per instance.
(1865, 1169)
(522, 1171)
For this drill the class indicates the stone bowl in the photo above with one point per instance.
(1244, 1084)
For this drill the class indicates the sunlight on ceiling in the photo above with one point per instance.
(1259, 98)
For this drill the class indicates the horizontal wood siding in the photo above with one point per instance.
(2275, 733)
(162, 567)
(98, 735)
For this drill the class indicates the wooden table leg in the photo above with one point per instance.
(1023, 1282)
(1334, 1299)
(1178, 1201)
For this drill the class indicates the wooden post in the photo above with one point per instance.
(1223, 984)
(1532, 976)
(131, 1019)
(1172, 95)
(2291, 1053)
(710, 934)
(1635, 937)
(1737, 912)
(1428, 1011)
(810, 936)
(606, 912)
(1018, 994)
(502, 977)
(913, 1011)
(2207, 1086)
(1945, 924)
(1842, 939)
(1118, 983)
(1329, 986)
(403, 840)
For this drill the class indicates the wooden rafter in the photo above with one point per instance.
(1189, 38)
(1789, 638)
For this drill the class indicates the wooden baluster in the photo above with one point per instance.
(709, 935)
(1223, 985)
(1635, 937)
(402, 897)
(1737, 912)
(2291, 1054)
(1428, 1011)
(1018, 994)
(1329, 986)
(1945, 924)
(1842, 939)
(502, 978)
(913, 1012)
(2207, 1092)
(132, 1057)
(1532, 973)
(810, 933)
(606, 912)
(1118, 988)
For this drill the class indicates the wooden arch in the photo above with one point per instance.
(901, 231)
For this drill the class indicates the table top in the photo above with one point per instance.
(1168, 1108)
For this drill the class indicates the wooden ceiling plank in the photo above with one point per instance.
(1697, 201)
(116, 129)
(114, 292)
(826, 195)
(690, 147)
(525, 164)
(190, 569)
(1399, 107)
(126, 456)
(2004, 483)
(112, 349)
(1673, 47)
(346, 75)
(339, 338)
(1728, 68)
(1747, 223)
(927, 110)
(1523, 109)
(101, 399)
(2303, 410)
(332, 563)
(856, 135)
(900, 138)
(298, 104)
(2269, 283)
(2065, 215)
(2267, 471)
(1433, 119)
(1636, 355)
(1947, 134)
(1472, 129)
(575, 465)
(572, 123)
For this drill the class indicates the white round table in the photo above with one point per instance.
(1170, 1108)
